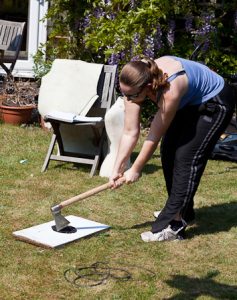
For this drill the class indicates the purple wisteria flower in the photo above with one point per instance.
(205, 31)
(98, 12)
(136, 38)
(149, 47)
(170, 33)
(109, 14)
(123, 54)
(81, 25)
(114, 59)
(135, 43)
(135, 58)
(158, 43)
(132, 4)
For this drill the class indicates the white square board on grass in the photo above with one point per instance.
(43, 235)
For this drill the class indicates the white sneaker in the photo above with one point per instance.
(156, 213)
(166, 234)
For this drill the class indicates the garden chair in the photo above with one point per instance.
(74, 97)
(11, 35)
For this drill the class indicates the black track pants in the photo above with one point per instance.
(185, 150)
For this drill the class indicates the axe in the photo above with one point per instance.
(60, 221)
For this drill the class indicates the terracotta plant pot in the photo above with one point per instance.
(16, 115)
(46, 126)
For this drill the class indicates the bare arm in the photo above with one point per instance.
(129, 137)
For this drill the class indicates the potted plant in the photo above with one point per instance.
(18, 100)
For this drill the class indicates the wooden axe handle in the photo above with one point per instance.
(89, 193)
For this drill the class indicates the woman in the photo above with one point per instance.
(194, 106)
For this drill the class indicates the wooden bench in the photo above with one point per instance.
(11, 34)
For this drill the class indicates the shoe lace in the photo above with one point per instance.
(166, 234)
(168, 231)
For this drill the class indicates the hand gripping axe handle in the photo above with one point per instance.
(60, 221)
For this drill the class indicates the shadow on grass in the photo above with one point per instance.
(71, 166)
(149, 167)
(192, 287)
(85, 168)
(209, 219)
(215, 218)
(137, 226)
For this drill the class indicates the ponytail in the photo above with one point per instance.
(159, 79)
(142, 72)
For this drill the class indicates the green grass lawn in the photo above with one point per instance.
(201, 267)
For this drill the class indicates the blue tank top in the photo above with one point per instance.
(203, 83)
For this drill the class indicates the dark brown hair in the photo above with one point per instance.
(142, 72)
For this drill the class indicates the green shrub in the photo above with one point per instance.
(118, 31)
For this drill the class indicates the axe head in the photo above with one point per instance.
(60, 221)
